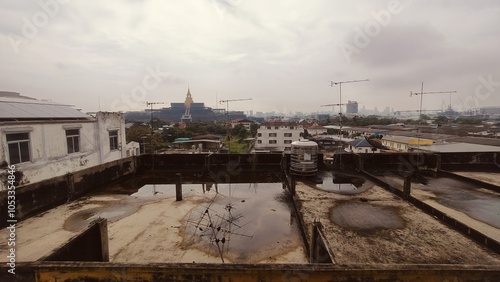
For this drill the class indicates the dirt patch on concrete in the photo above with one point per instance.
(365, 217)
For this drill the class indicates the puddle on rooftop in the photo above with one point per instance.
(245, 222)
(240, 223)
(364, 216)
(343, 183)
(464, 197)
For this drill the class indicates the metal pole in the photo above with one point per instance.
(340, 113)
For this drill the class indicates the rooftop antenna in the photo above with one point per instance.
(152, 131)
(332, 83)
(227, 113)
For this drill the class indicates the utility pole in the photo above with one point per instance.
(151, 125)
(339, 83)
(227, 113)
(422, 93)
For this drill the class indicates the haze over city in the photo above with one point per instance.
(116, 55)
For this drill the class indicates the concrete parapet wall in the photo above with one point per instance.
(38, 197)
(90, 271)
(406, 161)
(201, 162)
(90, 245)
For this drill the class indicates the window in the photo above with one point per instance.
(259, 141)
(291, 127)
(288, 141)
(288, 134)
(19, 147)
(113, 140)
(272, 141)
(273, 134)
(259, 134)
(276, 127)
(268, 127)
(73, 140)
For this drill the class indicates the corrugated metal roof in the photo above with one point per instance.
(458, 148)
(30, 109)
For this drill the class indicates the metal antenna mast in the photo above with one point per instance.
(152, 129)
(227, 113)
(332, 83)
(422, 93)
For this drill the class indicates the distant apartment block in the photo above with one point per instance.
(45, 139)
(245, 122)
(277, 136)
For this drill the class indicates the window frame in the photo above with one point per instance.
(18, 142)
(72, 136)
(113, 140)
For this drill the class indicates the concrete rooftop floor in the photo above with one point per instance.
(376, 227)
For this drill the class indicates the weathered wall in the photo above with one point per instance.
(319, 250)
(94, 271)
(106, 122)
(90, 245)
(48, 150)
(405, 161)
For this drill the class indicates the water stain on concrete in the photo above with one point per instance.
(346, 184)
(365, 216)
(464, 197)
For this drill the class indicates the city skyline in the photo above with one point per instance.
(118, 55)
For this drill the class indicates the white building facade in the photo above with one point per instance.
(44, 139)
(277, 136)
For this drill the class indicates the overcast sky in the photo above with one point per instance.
(116, 55)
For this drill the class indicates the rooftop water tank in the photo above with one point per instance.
(304, 158)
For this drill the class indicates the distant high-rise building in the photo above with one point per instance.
(352, 107)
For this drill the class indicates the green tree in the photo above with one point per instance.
(253, 129)
(137, 132)
(441, 120)
(424, 117)
(239, 131)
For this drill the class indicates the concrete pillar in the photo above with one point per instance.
(178, 187)
(313, 248)
(70, 183)
(103, 228)
(438, 163)
(293, 183)
(407, 185)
